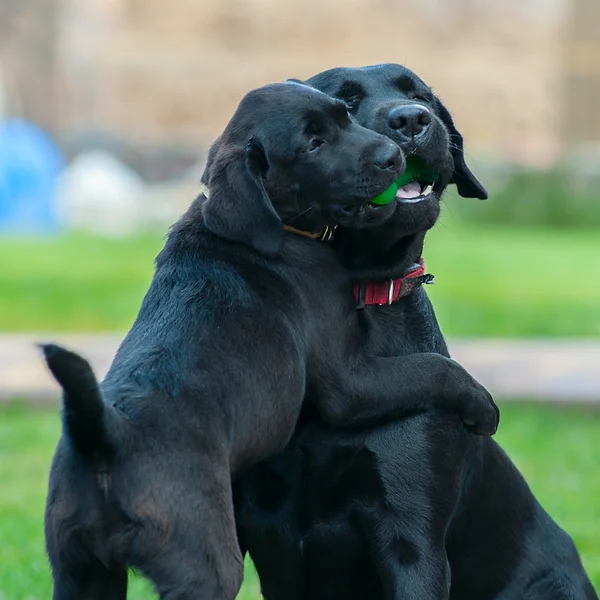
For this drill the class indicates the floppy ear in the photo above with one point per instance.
(210, 161)
(467, 184)
(238, 207)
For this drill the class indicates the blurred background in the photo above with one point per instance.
(107, 110)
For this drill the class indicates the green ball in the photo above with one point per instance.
(416, 169)
(386, 196)
(410, 174)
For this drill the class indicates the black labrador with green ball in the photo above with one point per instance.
(418, 508)
(246, 316)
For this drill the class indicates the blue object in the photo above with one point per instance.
(29, 165)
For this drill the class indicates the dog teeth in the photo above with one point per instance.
(413, 193)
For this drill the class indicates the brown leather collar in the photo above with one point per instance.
(325, 235)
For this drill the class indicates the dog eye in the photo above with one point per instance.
(314, 144)
(420, 97)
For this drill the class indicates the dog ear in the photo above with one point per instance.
(238, 207)
(467, 184)
(210, 161)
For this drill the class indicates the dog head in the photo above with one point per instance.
(293, 155)
(393, 101)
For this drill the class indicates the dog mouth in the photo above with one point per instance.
(368, 213)
(416, 184)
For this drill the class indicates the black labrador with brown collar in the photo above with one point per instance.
(242, 320)
(417, 509)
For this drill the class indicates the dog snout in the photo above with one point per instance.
(389, 158)
(410, 120)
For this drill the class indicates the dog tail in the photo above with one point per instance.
(85, 415)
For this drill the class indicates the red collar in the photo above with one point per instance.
(368, 293)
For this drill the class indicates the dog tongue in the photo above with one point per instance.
(410, 190)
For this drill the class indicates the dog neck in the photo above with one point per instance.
(384, 268)
(409, 324)
(372, 255)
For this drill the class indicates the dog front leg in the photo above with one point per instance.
(372, 388)
(410, 567)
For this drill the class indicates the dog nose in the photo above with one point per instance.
(389, 158)
(411, 120)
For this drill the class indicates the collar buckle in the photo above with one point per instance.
(390, 298)
(362, 295)
(327, 234)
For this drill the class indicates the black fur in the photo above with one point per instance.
(84, 414)
(417, 509)
(241, 320)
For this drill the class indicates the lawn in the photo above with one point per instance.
(491, 281)
(557, 449)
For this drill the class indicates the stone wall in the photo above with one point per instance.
(28, 59)
(157, 74)
(580, 122)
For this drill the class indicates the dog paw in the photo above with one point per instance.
(481, 414)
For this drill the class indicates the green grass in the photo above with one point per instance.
(491, 281)
(27, 441)
(498, 281)
(73, 282)
(558, 450)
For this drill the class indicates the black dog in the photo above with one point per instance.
(241, 319)
(418, 508)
